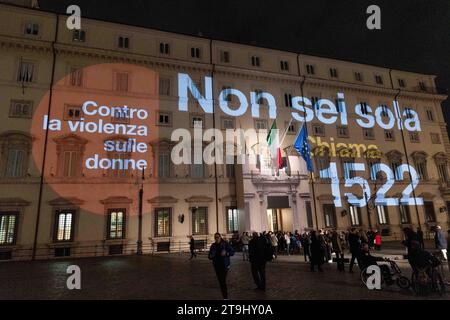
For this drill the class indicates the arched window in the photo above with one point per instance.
(395, 159)
(420, 164)
(441, 161)
(15, 149)
(69, 152)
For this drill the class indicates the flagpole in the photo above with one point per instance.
(311, 174)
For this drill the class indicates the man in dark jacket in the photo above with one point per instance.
(220, 253)
(440, 241)
(192, 248)
(259, 251)
(355, 247)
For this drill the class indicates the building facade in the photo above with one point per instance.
(58, 199)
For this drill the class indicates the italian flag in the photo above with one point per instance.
(274, 146)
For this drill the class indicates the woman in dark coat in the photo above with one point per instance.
(316, 250)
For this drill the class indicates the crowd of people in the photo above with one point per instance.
(317, 247)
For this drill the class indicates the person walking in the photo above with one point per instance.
(220, 253)
(317, 251)
(354, 243)
(440, 241)
(259, 252)
(192, 247)
(337, 249)
(245, 240)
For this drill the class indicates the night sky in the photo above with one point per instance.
(415, 34)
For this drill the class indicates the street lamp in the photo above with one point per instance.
(141, 195)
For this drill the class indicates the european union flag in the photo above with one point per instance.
(301, 144)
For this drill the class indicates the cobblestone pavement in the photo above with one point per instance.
(175, 277)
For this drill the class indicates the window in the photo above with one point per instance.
(333, 73)
(405, 216)
(116, 223)
(261, 124)
(164, 86)
(401, 83)
(64, 225)
(368, 133)
(348, 168)
(227, 123)
(164, 165)
(284, 65)
(318, 130)
(358, 76)
(430, 215)
(71, 161)
(310, 69)
(442, 169)
(79, 35)
(226, 93)
(164, 48)
(374, 167)
(164, 118)
(323, 166)
(430, 115)
(224, 56)
(31, 29)
(14, 156)
(124, 42)
(422, 86)
(342, 131)
(195, 53)
(314, 101)
(291, 128)
(382, 214)
(256, 61)
(420, 164)
(73, 112)
(384, 111)
(197, 121)
(309, 215)
(329, 212)
(15, 163)
(363, 108)
(409, 113)
(199, 220)
(414, 136)
(435, 138)
(121, 81)
(8, 227)
(355, 215)
(26, 72)
(230, 171)
(163, 218)
(232, 219)
(21, 109)
(389, 135)
(288, 100)
(394, 166)
(76, 77)
(378, 79)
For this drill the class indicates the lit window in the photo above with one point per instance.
(116, 223)
(355, 215)
(232, 219)
(199, 220)
(64, 225)
(162, 222)
(382, 215)
(405, 216)
(8, 227)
